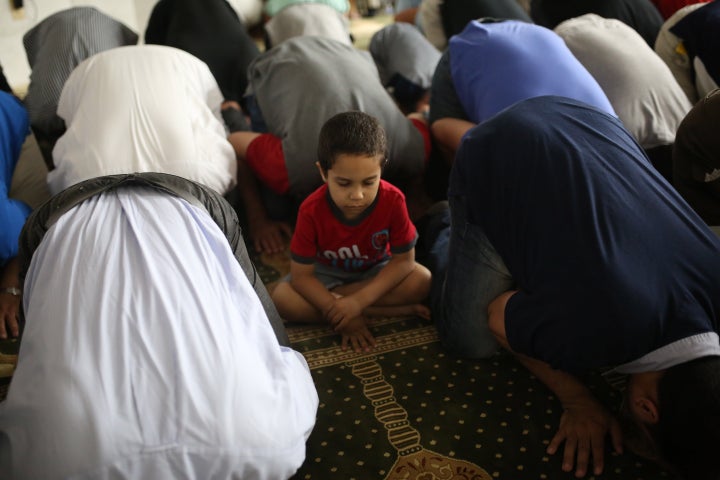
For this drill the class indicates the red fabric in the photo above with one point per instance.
(668, 7)
(266, 158)
(353, 246)
(425, 132)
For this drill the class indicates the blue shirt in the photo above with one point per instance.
(13, 130)
(494, 65)
(610, 262)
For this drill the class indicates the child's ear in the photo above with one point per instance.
(322, 173)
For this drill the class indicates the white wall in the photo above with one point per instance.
(133, 13)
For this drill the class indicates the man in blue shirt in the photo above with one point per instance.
(570, 250)
(493, 64)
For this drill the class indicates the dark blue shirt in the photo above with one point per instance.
(700, 34)
(609, 260)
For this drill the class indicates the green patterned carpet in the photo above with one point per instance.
(409, 411)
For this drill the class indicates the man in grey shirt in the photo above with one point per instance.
(641, 88)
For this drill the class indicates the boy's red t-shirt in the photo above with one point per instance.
(323, 235)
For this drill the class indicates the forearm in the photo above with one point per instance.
(11, 274)
(250, 193)
(9, 302)
(314, 292)
(448, 132)
(565, 386)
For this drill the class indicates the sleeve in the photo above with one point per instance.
(403, 234)
(444, 102)
(303, 245)
(13, 214)
(569, 334)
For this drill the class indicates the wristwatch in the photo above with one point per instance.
(12, 291)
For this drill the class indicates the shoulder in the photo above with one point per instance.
(390, 193)
(314, 202)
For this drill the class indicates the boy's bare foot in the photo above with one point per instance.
(420, 310)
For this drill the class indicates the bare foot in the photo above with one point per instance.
(421, 311)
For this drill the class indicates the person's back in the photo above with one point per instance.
(492, 65)
(135, 299)
(640, 87)
(601, 264)
(54, 47)
(621, 257)
(329, 77)
(211, 31)
(166, 118)
(641, 15)
(406, 61)
(307, 18)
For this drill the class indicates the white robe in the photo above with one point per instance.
(146, 108)
(147, 354)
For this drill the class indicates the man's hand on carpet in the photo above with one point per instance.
(583, 427)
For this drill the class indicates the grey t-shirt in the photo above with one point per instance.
(640, 87)
(400, 49)
(304, 81)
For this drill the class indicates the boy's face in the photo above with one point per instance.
(353, 182)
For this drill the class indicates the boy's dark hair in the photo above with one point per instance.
(354, 133)
(688, 430)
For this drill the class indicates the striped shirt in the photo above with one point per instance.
(56, 45)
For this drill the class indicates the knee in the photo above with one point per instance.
(468, 340)
(279, 296)
(420, 281)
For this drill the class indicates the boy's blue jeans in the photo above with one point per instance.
(474, 276)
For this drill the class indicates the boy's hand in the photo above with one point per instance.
(356, 332)
(342, 311)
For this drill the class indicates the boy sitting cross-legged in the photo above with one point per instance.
(353, 250)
